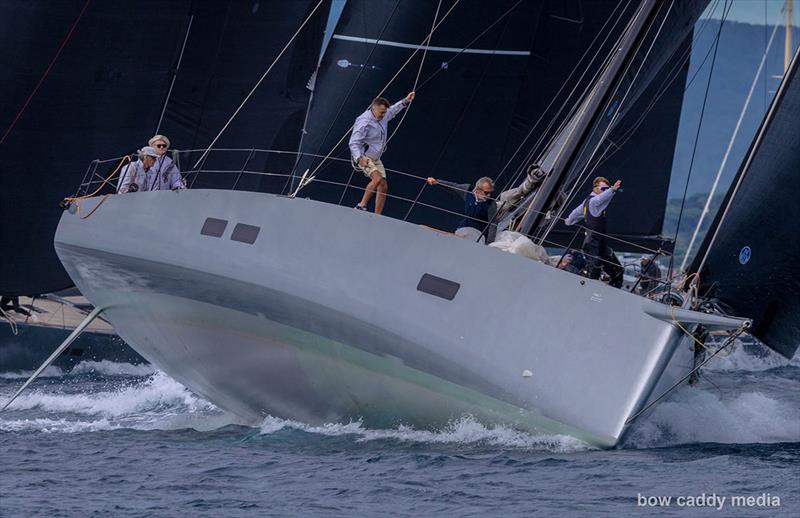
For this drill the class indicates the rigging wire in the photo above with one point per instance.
(671, 77)
(175, 74)
(724, 162)
(609, 126)
(349, 91)
(46, 72)
(419, 71)
(725, 13)
(402, 67)
(263, 76)
(568, 80)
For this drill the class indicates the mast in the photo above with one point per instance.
(565, 146)
(787, 48)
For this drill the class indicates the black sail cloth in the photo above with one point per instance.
(104, 95)
(751, 269)
(473, 108)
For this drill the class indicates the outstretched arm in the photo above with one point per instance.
(397, 107)
(461, 189)
(575, 216)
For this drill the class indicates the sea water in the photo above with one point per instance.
(122, 440)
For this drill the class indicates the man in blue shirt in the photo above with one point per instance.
(479, 208)
(367, 144)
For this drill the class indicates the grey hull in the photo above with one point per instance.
(318, 316)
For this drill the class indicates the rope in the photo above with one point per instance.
(263, 76)
(610, 125)
(699, 127)
(46, 72)
(402, 67)
(175, 74)
(713, 191)
(726, 344)
(105, 181)
(419, 71)
(11, 322)
(558, 93)
(96, 206)
(346, 97)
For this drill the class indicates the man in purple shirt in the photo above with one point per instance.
(595, 246)
(367, 144)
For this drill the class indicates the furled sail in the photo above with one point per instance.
(491, 72)
(104, 94)
(748, 262)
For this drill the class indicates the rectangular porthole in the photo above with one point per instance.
(245, 233)
(214, 227)
(438, 286)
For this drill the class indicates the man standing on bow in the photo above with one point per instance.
(367, 144)
(595, 246)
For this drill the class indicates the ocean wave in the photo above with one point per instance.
(50, 372)
(740, 359)
(158, 403)
(109, 368)
(697, 416)
(464, 431)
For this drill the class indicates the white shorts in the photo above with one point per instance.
(373, 165)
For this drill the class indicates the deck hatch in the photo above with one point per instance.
(245, 233)
(438, 287)
(214, 227)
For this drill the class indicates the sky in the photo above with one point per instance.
(753, 11)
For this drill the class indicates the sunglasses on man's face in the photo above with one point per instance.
(604, 188)
(161, 145)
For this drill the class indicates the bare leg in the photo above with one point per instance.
(372, 187)
(380, 198)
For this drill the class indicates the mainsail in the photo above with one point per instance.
(652, 48)
(491, 72)
(106, 91)
(748, 261)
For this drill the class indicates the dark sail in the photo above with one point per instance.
(749, 259)
(101, 97)
(651, 51)
(105, 93)
(230, 46)
(643, 160)
(473, 109)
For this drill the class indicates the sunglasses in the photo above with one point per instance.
(604, 188)
(161, 145)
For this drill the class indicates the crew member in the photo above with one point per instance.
(367, 144)
(134, 176)
(650, 274)
(595, 247)
(479, 208)
(169, 176)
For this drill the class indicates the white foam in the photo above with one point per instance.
(463, 431)
(159, 403)
(57, 425)
(692, 416)
(108, 368)
(740, 360)
(50, 372)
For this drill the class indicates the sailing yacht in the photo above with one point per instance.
(268, 304)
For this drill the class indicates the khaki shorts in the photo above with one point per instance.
(373, 165)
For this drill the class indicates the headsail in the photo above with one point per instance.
(491, 72)
(652, 47)
(749, 259)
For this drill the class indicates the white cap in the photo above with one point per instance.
(148, 151)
